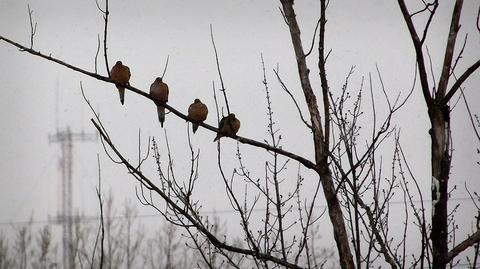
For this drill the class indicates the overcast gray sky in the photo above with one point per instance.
(143, 33)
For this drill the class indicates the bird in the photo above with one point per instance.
(120, 74)
(198, 112)
(229, 125)
(159, 92)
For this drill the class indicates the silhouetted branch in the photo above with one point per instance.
(377, 136)
(96, 53)
(419, 214)
(219, 72)
(179, 114)
(101, 228)
(478, 19)
(468, 242)
(430, 17)
(274, 170)
(447, 61)
(417, 43)
(186, 215)
(105, 17)
(98, 118)
(313, 39)
(33, 28)
(322, 59)
(293, 99)
(460, 55)
(373, 221)
(308, 222)
(470, 114)
(461, 80)
(320, 141)
(166, 65)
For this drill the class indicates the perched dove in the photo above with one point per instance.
(159, 92)
(229, 125)
(120, 74)
(198, 111)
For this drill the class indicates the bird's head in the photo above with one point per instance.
(231, 116)
(158, 79)
(197, 101)
(119, 63)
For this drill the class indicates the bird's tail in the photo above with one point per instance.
(194, 127)
(161, 114)
(121, 92)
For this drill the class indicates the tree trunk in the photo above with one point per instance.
(336, 217)
(319, 140)
(440, 158)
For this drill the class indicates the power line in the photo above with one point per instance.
(209, 212)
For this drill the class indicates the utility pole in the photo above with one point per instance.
(65, 212)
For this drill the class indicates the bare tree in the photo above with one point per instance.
(134, 237)
(437, 99)
(167, 250)
(113, 259)
(5, 260)
(45, 257)
(22, 245)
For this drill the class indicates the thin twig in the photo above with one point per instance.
(431, 71)
(278, 198)
(101, 228)
(417, 43)
(105, 38)
(33, 28)
(99, 193)
(421, 218)
(166, 65)
(293, 99)
(461, 80)
(179, 210)
(313, 39)
(449, 50)
(105, 31)
(373, 225)
(460, 53)
(478, 19)
(323, 74)
(219, 72)
(430, 18)
(96, 53)
(468, 242)
(283, 16)
(470, 114)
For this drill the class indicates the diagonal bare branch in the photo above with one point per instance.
(172, 204)
(307, 163)
(284, 87)
(33, 28)
(319, 137)
(303, 72)
(461, 80)
(223, 90)
(447, 61)
(323, 73)
(468, 242)
(417, 43)
(105, 31)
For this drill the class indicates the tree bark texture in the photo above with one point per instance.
(440, 162)
(321, 148)
(439, 114)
